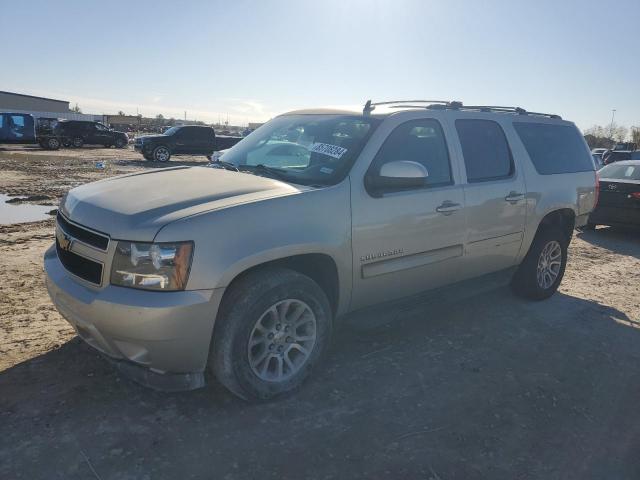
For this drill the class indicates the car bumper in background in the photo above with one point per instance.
(615, 216)
(160, 339)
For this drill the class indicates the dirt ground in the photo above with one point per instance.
(491, 388)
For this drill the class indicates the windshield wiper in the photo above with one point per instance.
(223, 164)
(263, 169)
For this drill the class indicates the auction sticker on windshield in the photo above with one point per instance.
(328, 149)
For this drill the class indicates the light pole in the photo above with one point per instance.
(613, 115)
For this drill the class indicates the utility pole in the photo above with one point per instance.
(613, 115)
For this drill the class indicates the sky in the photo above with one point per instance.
(251, 60)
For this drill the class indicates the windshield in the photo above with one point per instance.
(304, 149)
(172, 130)
(621, 172)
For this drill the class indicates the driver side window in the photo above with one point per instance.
(420, 141)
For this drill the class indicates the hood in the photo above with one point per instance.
(136, 206)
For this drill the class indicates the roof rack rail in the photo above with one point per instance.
(369, 106)
(453, 105)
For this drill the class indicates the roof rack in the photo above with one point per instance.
(452, 105)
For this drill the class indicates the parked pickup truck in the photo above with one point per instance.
(182, 140)
(21, 128)
(244, 270)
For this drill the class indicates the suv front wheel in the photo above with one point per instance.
(161, 154)
(540, 273)
(273, 327)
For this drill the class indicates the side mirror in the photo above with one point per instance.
(398, 175)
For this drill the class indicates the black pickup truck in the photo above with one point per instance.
(183, 140)
(21, 128)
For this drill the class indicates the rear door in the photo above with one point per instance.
(494, 191)
(207, 141)
(185, 140)
(98, 134)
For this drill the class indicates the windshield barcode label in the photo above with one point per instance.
(328, 149)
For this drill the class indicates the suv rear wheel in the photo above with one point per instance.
(77, 142)
(273, 327)
(120, 143)
(161, 154)
(542, 269)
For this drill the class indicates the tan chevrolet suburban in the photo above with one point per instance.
(242, 270)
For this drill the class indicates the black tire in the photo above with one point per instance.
(77, 142)
(161, 154)
(248, 301)
(120, 143)
(52, 143)
(525, 282)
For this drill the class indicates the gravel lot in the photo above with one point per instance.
(491, 388)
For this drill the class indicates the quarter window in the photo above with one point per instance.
(485, 150)
(420, 141)
(554, 148)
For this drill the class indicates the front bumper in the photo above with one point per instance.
(160, 339)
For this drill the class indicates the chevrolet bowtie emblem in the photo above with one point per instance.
(64, 240)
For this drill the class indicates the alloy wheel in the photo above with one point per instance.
(549, 264)
(162, 154)
(282, 340)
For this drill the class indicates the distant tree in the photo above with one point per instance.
(121, 113)
(619, 133)
(159, 117)
(76, 109)
(598, 137)
(635, 135)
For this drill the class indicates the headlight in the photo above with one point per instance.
(152, 266)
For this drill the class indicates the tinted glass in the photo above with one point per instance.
(485, 150)
(554, 148)
(304, 149)
(204, 133)
(420, 141)
(1, 121)
(621, 172)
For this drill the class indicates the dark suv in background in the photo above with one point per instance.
(182, 140)
(76, 133)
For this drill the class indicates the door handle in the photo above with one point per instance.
(448, 207)
(514, 197)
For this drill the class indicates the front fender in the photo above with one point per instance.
(234, 239)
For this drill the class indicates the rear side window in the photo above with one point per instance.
(204, 133)
(485, 150)
(554, 148)
(190, 133)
